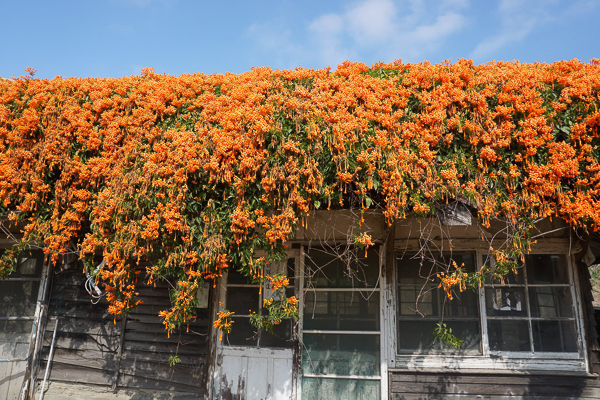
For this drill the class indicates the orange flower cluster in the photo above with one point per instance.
(195, 172)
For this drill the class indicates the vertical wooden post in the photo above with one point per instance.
(119, 354)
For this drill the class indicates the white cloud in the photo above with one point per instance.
(387, 29)
(372, 20)
(370, 31)
(444, 25)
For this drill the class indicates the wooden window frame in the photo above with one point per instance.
(499, 361)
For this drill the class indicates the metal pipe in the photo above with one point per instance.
(49, 359)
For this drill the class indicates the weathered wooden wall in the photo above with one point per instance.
(408, 385)
(92, 347)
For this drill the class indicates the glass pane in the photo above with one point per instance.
(550, 302)
(546, 268)
(242, 300)
(15, 331)
(418, 300)
(348, 310)
(512, 278)
(464, 304)
(414, 269)
(505, 335)
(505, 302)
(417, 336)
(291, 268)
(281, 336)
(18, 298)
(340, 354)
(29, 265)
(554, 336)
(242, 333)
(349, 269)
(340, 389)
(235, 277)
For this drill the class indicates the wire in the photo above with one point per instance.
(90, 284)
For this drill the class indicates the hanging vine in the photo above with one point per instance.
(196, 173)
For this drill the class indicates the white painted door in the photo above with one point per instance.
(251, 365)
(253, 374)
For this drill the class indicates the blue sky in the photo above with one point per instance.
(113, 38)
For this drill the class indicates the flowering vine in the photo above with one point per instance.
(195, 173)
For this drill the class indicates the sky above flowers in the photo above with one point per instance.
(114, 38)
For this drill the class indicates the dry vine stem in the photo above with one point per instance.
(196, 172)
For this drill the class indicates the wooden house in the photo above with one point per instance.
(366, 327)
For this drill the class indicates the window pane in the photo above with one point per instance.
(546, 268)
(29, 265)
(505, 335)
(505, 302)
(464, 304)
(512, 278)
(417, 336)
(15, 331)
(291, 268)
(234, 277)
(340, 354)
(281, 336)
(242, 300)
(550, 302)
(18, 298)
(324, 269)
(413, 269)
(342, 389)
(554, 336)
(418, 300)
(348, 310)
(242, 333)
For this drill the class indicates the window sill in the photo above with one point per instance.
(523, 364)
(450, 370)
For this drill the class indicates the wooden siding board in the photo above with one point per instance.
(137, 382)
(84, 358)
(76, 374)
(87, 341)
(432, 385)
(180, 374)
(399, 396)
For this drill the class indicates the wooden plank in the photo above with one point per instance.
(411, 396)
(137, 382)
(86, 358)
(161, 337)
(499, 379)
(79, 309)
(159, 329)
(82, 341)
(77, 374)
(165, 348)
(83, 325)
(193, 360)
(257, 378)
(183, 374)
(487, 389)
(494, 378)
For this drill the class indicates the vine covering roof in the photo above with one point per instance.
(196, 172)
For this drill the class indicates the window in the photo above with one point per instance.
(422, 305)
(531, 313)
(18, 298)
(245, 297)
(341, 328)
